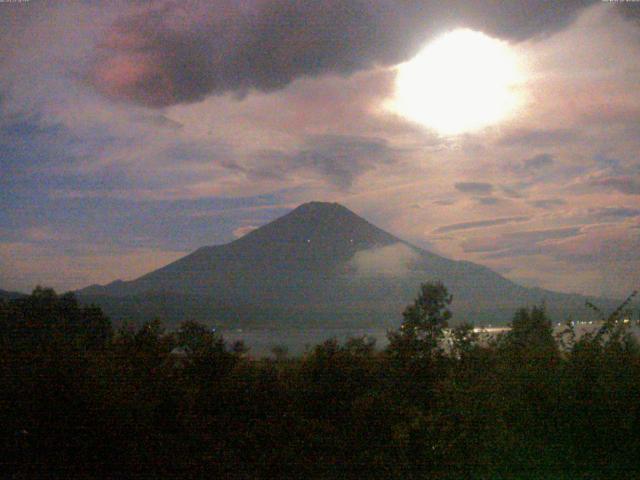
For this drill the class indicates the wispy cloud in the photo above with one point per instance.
(548, 203)
(623, 184)
(480, 224)
(519, 242)
(474, 187)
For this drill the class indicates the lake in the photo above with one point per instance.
(296, 342)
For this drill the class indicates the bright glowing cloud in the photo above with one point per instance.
(391, 260)
(461, 82)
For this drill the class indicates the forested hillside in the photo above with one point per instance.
(79, 400)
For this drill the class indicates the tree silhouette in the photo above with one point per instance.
(423, 324)
(532, 330)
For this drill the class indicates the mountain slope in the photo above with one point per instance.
(7, 295)
(314, 238)
(320, 264)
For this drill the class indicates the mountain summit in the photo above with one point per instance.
(320, 264)
(330, 225)
(315, 235)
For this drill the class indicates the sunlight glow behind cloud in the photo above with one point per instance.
(461, 82)
(86, 162)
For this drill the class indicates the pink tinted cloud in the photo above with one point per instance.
(134, 77)
(208, 48)
(624, 184)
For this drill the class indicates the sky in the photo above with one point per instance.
(132, 133)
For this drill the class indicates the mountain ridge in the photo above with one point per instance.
(11, 295)
(319, 261)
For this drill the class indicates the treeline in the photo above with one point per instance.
(80, 400)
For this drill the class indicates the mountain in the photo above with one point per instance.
(6, 295)
(318, 265)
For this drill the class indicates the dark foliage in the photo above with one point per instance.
(80, 401)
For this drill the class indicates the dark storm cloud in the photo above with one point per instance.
(175, 52)
(479, 224)
(623, 184)
(474, 187)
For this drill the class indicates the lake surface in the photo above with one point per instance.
(296, 342)
(261, 342)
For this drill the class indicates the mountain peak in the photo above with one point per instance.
(322, 209)
(319, 261)
(320, 206)
(329, 225)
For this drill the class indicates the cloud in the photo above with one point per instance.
(169, 225)
(517, 243)
(533, 170)
(80, 163)
(548, 203)
(392, 260)
(539, 235)
(601, 259)
(605, 238)
(538, 162)
(623, 184)
(531, 137)
(604, 245)
(23, 265)
(167, 52)
(511, 192)
(338, 158)
(480, 224)
(474, 187)
(488, 200)
(607, 213)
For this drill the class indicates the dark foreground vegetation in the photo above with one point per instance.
(79, 400)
